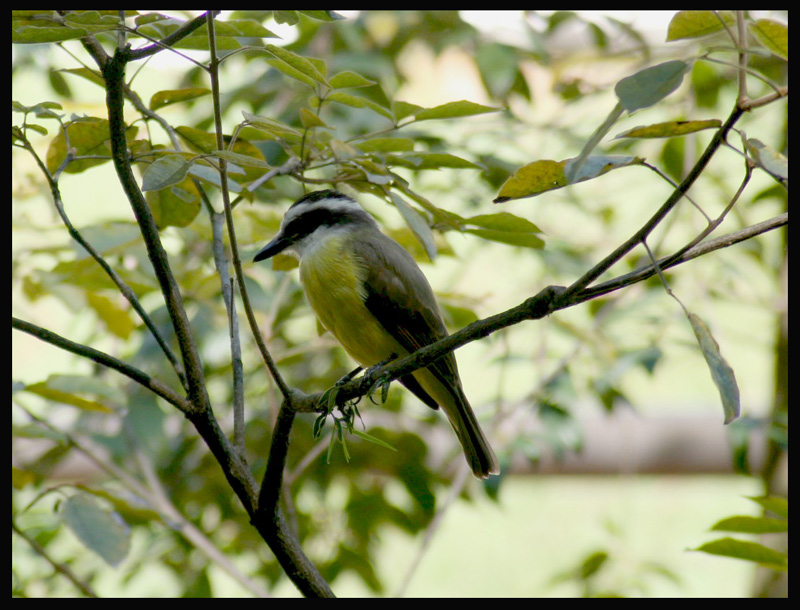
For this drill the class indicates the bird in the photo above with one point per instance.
(371, 295)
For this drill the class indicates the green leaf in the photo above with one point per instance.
(597, 165)
(240, 28)
(453, 110)
(308, 119)
(278, 130)
(373, 172)
(649, 86)
(359, 102)
(129, 507)
(50, 390)
(532, 179)
(669, 129)
(525, 240)
(770, 160)
(93, 76)
(100, 530)
(401, 110)
(179, 204)
(174, 96)
(326, 16)
(503, 221)
(197, 139)
(42, 110)
(41, 26)
(749, 551)
(164, 172)
(116, 318)
(348, 79)
(383, 145)
(773, 35)
(87, 137)
(372, 439)
(238, 159)
(299, 64)
(547, 175)
(744, 524)
(426, 160)
(694, 24)
(592, 564)
(417, 223)
(288, 70)
(721, 372)
(287, 17)
(775, 504)
(319, 424)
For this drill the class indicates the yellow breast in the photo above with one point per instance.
(333, 280)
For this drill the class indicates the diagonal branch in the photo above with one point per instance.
(547, 301)
(114, 74)
(137, 375)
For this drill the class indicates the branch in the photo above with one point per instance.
(58, 566)
(200, 414)
(671, 202)
(137, 375)
(123, 287)
(114, 74)
(270, 521)
(549, 300)
(168, 41)
(698, 250)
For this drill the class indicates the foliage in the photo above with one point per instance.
(248, 127)
(745, 524)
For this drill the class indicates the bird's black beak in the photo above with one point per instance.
(276, 246)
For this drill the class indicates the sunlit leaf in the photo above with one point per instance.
(773, 35)
(173, 96)
(453, 110)
(694, 24)
(669, 129)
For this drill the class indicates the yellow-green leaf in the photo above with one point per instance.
(173, 96)
(503, 221)
(773, 35)
(694, 24)
(745, 524)
(116, 318)
(669, 129)
(299, 64)
(309, 119)
(347, 79)
(87, 137)
(177, 205)
(383, 145)
(43, 389)
(164, 172)
(238, 159)
(750, 551)
(525, 240)
(453, 110)
(532, 179)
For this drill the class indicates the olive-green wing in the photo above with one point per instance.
(399, 296)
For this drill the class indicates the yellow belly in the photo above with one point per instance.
(333, 282)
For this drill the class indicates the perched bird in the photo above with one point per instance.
(368, 291)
